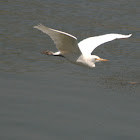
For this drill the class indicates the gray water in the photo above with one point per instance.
(49, 98)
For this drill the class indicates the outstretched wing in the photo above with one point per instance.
(64, 42)
(88, 45)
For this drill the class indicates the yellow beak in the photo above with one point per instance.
(101, 59)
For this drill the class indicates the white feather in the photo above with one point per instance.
(64, 42)
(89, 44)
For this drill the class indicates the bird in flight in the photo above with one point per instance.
(78, 53)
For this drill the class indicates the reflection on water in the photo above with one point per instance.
(49, 98)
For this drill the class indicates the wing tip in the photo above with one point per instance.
(129, 35)
(38, 26)
(123, 36)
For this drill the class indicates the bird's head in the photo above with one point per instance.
(98, 59)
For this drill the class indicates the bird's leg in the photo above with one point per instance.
(47, 52)
(51, 53)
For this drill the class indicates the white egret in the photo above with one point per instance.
(79, 53)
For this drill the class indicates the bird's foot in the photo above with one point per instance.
(47, 52)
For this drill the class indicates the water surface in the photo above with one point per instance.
(46, 97)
